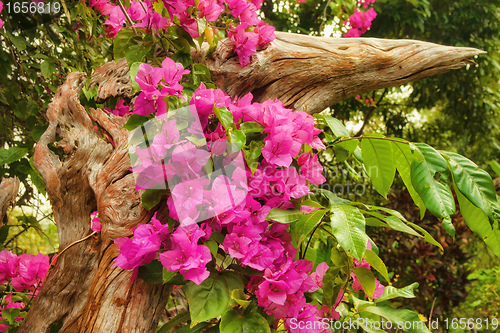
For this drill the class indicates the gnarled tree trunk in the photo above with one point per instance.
(84, 291)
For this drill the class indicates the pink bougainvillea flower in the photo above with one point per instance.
(317, 276)
(280, 147)
(8, 265)
(175, 7)
(137, 11)
(172, 73)
(96, 222)
(210, 9)
(366, 3)
(115, 22)
(103, 6)
(361, 22)
(186, 255)
(1, 8)
(311, 169)
(265, 32)
(245, 43)
(31, 271)
(189, 24)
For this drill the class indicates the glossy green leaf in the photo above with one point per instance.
(391, 292)
(234, 322)
(474, 183)
(344, 149)
(208, 300)
(237, 137)
(168, 275)
(251, 127)
(436, 196)
(239, 296)
(378, 160)
(306, 223)
(366, 279)
(225, 117)
(338, 129)
(252, 154)
(427, 237)
(374, 260)
(284, 215)
(234, 282)
(401, 317)
(479, 223)
(348, 227)
(403, 157)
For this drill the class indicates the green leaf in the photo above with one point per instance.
(168, 275)
(436, 196)
(208, 300)
(330, 287)
(12, 154)
(151, 197)
(366, 279)
(47, 68)
(348, 227)
(135, 121)
(494, 165)
(306, 223)
(251, 127)
(11, 314)
(378, 159)
(152, 272)
(332, 197)
(234, 282)
(134, 69)
(20, 110)
(400, 316)
(252, 154)
(391, 292)
(338, 129)
(434, 160)
(19, 42)
(225, 117)
(373, 259)
(120, 42)
(344, 149)
(234, 322)
(240, 298)
(427, 237)
(237, 137)
(474, 183)
(136, 53)
(403, 157)
(479, 223)
(284, 215)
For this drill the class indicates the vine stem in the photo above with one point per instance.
(76, 242)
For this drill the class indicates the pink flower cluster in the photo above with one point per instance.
(356, 286)
(156, 83)
(120, 109)
(360, 22)
(140, 12)
(247, 36)
(365, 3)
(184, 255)
(96, 224)
(27, 271)
(1, 8)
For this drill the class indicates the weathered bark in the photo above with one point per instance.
(312, 73)
(9, 187)
(84, 291)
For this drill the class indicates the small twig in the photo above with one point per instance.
(432, 309)
(76, 242)
(126, 16)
